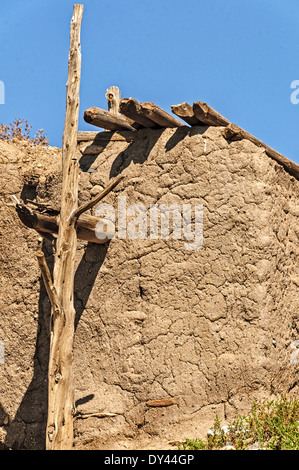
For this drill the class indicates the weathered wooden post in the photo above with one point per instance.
(59, 435)
(113, 99)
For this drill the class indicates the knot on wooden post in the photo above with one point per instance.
(113, 99)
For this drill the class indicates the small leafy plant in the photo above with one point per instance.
(20, 130)
(271, 425)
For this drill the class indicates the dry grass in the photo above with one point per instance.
(20, 130)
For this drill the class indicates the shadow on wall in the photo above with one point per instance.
(136, 152)
(28, 429)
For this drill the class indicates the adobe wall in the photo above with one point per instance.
(212, 327)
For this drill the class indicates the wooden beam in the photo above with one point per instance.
(122, 136)
(59, 431)
(106, 120)
(159, 116)
(88, 227)
(186, 113)
(208, 115)
(234, 133)
(132, 109)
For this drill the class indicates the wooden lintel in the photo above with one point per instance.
(208, 115)
(159, 116)
(185, 112)
(234, 133)
(106, 120)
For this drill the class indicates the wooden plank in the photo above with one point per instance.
(185, 112)
(234, 133)
(132, 109)
(159, 116)
(106, 120)
(208, 115)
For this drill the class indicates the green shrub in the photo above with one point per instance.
(273, 425)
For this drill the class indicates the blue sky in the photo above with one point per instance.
(239, 56)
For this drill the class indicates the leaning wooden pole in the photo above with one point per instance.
(59, 435)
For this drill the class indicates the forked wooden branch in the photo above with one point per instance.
(88, 205)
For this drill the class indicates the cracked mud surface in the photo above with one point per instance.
(211, 327)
